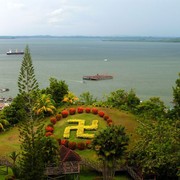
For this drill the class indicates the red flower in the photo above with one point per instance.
(48, 134)
(72, 145)
(72, 111)
(109, 121)
(64, 142)
(88, 110)
(106, 117)
(101, 114)
(81, 145)
(64, 113)
(80, 110)
(53, 120)
(94, 110)
(58, 117)
(49, 129)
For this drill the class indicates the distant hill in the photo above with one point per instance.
(106, 38)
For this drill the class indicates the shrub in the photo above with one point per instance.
(88, 144)
(80, 110)
(72, 145)
(88, 110)
(48, 134)
(94, 110)
(64, 142)
(109, 121)
(72, 111)
(64, 113)
(110, 124)
(81, 145)
(53, 120)
(58, 117)
(49, 129)
(106, 117)
(101, 113)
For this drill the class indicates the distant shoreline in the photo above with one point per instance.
(105, 38)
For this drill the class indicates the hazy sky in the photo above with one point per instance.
(90, 17)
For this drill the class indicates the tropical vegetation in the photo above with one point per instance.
(155, 148)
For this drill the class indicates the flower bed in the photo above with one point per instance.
(77, 125)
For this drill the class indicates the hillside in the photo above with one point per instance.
(10, 138)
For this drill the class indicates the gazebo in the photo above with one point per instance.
(69, 165)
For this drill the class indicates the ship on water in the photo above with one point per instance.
(10, 52)
(97, 77)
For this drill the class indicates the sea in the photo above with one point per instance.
(149, 68)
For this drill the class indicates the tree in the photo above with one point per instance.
(58, 89)
(176, 99)
(110, 145)
(153, 108)
(27, 81)
(158, 147)
(16, 111)
(70, 98)
(87, 98)
(31, 160)
(123, 100)
(44, 105)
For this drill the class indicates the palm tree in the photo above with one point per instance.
(44, 105)
(70, 98)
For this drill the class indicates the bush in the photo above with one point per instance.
(88, 144)
(72, 111)
(88, 110)
(49, 129)
(53, 120)
(109, 120)
(94, 110)
(58, 117)
(81, 145)
(106, 117)
(80, 110)
(101, 113)
(72, 145)
(64, 113)
(48, 134)
(64, 142)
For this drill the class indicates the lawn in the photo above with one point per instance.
(9, 140)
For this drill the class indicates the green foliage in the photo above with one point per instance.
(110, 145)
(50, 150)
(31, 159)
(16, 112)
(123, 100)
(44, 105)
(153, 108)
(57, 89)
(157, 151)
(176, 99)
(27, 81)
(87, 98)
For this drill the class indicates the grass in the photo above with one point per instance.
(9, 140)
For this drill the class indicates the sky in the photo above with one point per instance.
(90, 17)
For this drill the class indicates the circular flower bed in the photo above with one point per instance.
(49, 129)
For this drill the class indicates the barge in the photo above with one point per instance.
(97, 77)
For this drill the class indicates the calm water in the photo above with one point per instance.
(150, 68)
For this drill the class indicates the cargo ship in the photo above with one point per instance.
(97, 77)
(14, 52)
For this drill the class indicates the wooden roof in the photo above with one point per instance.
(67, 154)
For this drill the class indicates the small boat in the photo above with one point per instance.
(98, 77)
(15, 52)
(3, 90)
